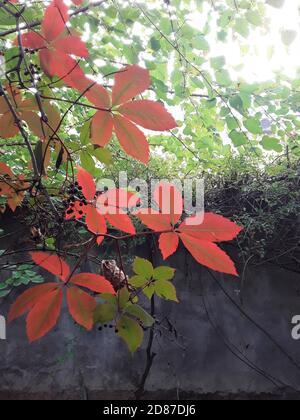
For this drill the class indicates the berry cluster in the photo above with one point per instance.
(75, 195)
(108, 326)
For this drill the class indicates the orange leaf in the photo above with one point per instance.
(121, 222)
(169, 200)
(129, 82)
(81, 306)
(168, 244)
(52, 263)
(155, 220)
(208, 254)
(95, 221)
(28, 299)
(148, 114)
(215, 228)
(102, 128)
(87, 183)
(44, 315)
(93, 282)
(132, 140)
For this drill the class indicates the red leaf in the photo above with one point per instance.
(93, 282)
(71, 45)
(148, 114)
(154, 220)
(132, 140)
(121, 222)
(130, 82)
(32, 40)
(169, 200)
(5, 170)
(44, 315)
(95, 93)
(102, 128)
(168, 244)
(208, 254)
(77, 2)
(28, 299)
(76, 211)
(55, 19)
(81, 306)
(57, 63)
(52, 263)
(117, 198)
(87, 183)
(95, 221)
(214, 228)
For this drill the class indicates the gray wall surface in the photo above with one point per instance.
(227, 338)
(206, 346)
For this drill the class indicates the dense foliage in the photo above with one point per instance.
(68, 118)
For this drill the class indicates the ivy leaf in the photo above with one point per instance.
(93, 282)
(138, 281)
(81, 307)
(52, 263)
(143, 268)
(131, 332)
(87, 183)
(271, 143)
(163, 273)
(253, 125)
(166, 290)
(105, 312)
(44, 315)
(138, 312)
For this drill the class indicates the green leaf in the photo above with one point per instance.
(131, 332)
(155, 44)
(103, 155)
(237, 103)
(3, 286)
(166, 290)
(139, 313)
(238, 138)
(272, 144)
(143, 268)
(4, 293)
(218, 62)
(138, 281)
(85, 134)
(232, 123)
(123, 297)
(164, 273)
(149, 290)
(253, 125)
(288, 37)
(223, 78)
(104, 313)
(254, 17)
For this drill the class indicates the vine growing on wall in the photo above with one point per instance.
(48, 75)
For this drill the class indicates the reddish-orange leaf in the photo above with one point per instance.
(169, 200)
(215, 228)
(154, 220)
(102, 128)
(132, 140)
(148, 114)
(95, 221)
(93, 282)
(95, 93)
(121, 222)
(208, 254)
(55, 19)
(116, 199)
(44, 315)
(168, 244)
(52, 263)
(81, 306)
(32, 40)
(28, 299)
(5, 170)
(87, 183)
(130, 82)
(77, 2)
(71, 45)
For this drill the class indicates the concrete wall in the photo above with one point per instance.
(194, 345)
